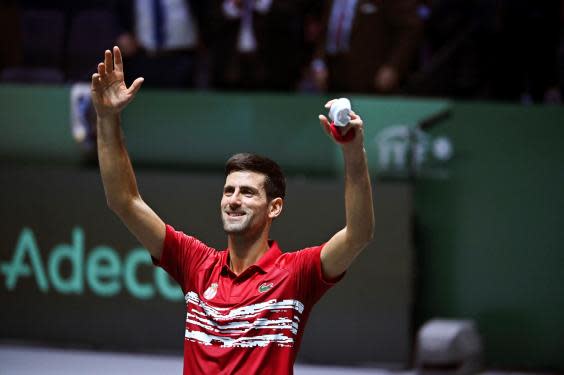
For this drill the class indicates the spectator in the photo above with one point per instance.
(367, 46)
(257, 44)
(162, 36)
(459, 49)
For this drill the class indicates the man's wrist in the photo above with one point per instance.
(355, 159)
(353, 149)
(110, 116)
(108, 120)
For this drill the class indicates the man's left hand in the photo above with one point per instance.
(356, 125)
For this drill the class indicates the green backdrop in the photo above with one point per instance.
(490, 238)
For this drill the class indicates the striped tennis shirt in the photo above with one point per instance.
(251, 323)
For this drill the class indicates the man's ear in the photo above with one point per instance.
(275, 207)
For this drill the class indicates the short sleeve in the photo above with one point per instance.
(309, 277)
(182, 255)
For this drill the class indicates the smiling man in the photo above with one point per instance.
(246, 306)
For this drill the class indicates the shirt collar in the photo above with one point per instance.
(265, 262)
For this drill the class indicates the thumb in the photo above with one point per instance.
(325, 124)
(135, 86)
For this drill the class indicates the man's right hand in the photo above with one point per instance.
(109, 93)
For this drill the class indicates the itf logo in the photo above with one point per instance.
(405, 151)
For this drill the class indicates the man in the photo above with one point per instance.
(246, 306)
(157, 35)
(367, 45)
(256, 44)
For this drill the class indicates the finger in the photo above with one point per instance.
(135, 86)
(356, 122)
(355, 118)
(329, 103)
(325, 124)
(108, 61)
(102, 70)
(96, 81)
(323, 120)
(118, 62)
(346, 129)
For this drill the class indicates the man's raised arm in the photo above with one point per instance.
(110, 96)
(340, 251)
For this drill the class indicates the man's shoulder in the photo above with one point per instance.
(290, 258)
(180, 236)
(189, 243)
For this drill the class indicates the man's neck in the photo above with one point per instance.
(244, 251)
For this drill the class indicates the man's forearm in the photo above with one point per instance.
(358, 197)
(118, 178)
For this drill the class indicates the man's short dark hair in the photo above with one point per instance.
(274, 182)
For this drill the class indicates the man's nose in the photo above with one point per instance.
(235, 199)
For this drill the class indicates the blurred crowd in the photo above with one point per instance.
(472, 49)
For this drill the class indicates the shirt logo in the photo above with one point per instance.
(211, 291)
(264, 287)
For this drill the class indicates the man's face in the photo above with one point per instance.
(244, 205)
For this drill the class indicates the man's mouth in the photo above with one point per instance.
(235, 214)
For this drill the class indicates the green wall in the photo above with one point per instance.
(35, 124)
(196, 129)
(490, 238)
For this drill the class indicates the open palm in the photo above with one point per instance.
(110, 95)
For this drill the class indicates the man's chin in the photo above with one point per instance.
(234, 229)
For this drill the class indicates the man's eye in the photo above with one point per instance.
(247, 193)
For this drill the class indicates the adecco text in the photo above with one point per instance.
(101, 269)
